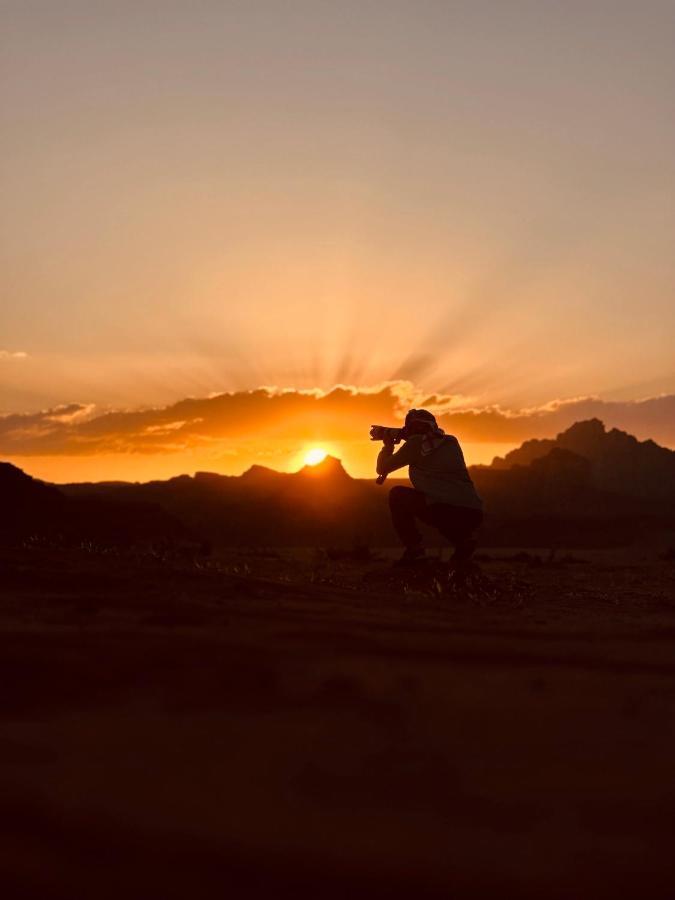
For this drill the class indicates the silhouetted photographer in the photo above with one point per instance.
(443, 494)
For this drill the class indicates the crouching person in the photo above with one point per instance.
(442, 494)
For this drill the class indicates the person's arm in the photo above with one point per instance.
(388, 460)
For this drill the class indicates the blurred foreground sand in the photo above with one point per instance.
(265, 725)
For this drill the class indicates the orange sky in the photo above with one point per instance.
(475, 198)
(228, 432)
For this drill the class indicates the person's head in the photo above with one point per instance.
(419, 421)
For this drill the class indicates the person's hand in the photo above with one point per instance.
(386, 451)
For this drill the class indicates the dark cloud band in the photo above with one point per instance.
(344, 413)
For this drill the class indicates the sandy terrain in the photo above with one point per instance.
(268, 726)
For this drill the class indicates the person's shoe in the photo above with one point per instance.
(465, 550)
(411, 557)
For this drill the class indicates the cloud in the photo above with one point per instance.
(266, 413)
(341, 414)
(13, 354)
(652, 418)
(70, 413)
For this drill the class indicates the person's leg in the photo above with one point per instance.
(406, 504)
(457, 524)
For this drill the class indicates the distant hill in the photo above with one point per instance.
(26, 503)
(329, 470)
(31, 508)
(318, 504)
(587, 487)
(618, 462)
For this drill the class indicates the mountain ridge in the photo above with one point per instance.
(586, 484)
(619, 462)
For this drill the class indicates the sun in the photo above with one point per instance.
(314, 456)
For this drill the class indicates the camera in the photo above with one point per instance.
(386, 434)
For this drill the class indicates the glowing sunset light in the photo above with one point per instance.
(390, 205)
(314, 456)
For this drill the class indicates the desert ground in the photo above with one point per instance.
(269, 723)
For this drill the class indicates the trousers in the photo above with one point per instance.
(455, 523)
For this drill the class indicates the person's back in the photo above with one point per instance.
(441, 474)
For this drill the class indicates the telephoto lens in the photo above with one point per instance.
(384, 433)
